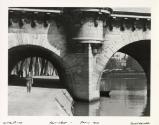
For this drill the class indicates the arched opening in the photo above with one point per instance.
(20, 54)
(139, 51)
(43, 72)
(45, 95)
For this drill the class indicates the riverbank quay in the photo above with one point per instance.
(40, 102)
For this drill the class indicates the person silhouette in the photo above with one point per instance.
(29, 82)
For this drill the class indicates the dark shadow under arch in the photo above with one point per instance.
(140, 51)
(21, 52)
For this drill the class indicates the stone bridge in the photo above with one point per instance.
(79, 42)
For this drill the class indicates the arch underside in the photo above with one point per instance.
(141, 52)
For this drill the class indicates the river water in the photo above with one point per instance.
(127, 98)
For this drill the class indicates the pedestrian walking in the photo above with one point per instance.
(29, 82)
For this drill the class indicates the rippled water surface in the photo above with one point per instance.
(127, 98)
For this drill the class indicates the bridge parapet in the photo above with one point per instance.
(129, 20)
(32, 16)
(78, 15)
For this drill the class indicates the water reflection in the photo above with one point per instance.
(128, 97)
(86, 109)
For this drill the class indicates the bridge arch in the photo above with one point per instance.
(17, 53)
(140, 51)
